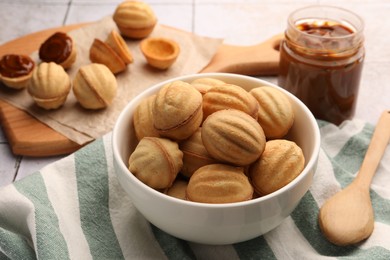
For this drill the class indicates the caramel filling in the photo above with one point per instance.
(13, 65)
(56, 48)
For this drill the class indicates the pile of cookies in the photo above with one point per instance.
(210, 141)
(94, 85)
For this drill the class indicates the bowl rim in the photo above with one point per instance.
(311, 164)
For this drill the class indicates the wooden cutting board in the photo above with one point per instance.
(28, 136)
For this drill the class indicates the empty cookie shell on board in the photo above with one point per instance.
(101, 52)
(118, 44)
(94, 86)
(160, 53)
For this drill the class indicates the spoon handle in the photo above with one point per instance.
(378, 144)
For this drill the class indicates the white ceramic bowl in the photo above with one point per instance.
(216, 223)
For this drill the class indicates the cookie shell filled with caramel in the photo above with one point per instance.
(94, 86)
(281, 162)
(135, 19)
(233, 136)
(177, 110)
(58, 48)
(16, 70)
(49, 85)
(229, 96)
(275, 114)
(156, 162)
(219, 183)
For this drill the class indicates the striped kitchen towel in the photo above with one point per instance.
(76, 209)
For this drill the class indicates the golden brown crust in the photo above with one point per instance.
(49, 85)
(156, 162)
(233, 136)
(281, 162)
(204, 84)
(177, 110)
(101, 52)
(118, 44)
(160, 53)
(94, 86)
(229, 96)
(275, 113)
(143, 119)
(178, 189)
(195, 154)
(219, 183)
(134, 19)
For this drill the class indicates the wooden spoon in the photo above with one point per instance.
(347, 217)
(255, 60)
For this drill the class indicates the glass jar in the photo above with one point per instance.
(321, 60)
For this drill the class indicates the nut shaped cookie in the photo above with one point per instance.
(143, 119)
(281, 162)
(49, 85)
(219, 183)
(156, 162)
(178, 189)
(275, 113)
(195, 154)
(135, 19)
(177, 110)
(94, 86)
(204, 84)
(233, 136)
(229, 96)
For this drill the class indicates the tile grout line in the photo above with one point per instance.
(193, 16)
(67, 12)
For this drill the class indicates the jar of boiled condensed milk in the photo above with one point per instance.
(321, 60)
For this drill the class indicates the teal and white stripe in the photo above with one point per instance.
(76, 209)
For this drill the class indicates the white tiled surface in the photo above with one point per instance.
(238, 22)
